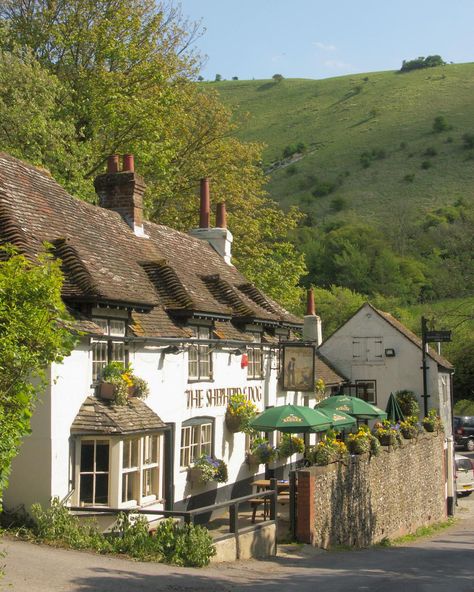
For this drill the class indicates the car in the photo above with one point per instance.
(464, 475)
(464, 431)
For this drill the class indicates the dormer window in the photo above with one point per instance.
(199, 356)
(108, 350)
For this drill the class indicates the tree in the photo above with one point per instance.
(128, 70)
(440, 124)
(277, 77)
(34, 332)
(218, 78)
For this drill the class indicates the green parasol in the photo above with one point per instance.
(394, 413)
(339, 419)
(352, 406)
(291, 419)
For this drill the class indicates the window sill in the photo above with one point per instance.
(195, 380)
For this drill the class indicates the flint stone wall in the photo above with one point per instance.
(367, 499)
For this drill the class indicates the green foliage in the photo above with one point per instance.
(408, 403)
(409, 178)
(182, 545)
(262, 449)
(468, 140)
(218, 78)
(338, 204)
(432, 422)
(277, 78)
(430, 151)
(464, 407)
(426, 164)
(368, 156)
(323, 188)
(212, 469)
(34, 332)
(124, 81)
(327, 450)
(290, 445)
(440, 124)
(422, 62)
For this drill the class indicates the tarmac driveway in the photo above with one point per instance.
(443, 563)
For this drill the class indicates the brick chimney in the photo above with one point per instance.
(220, 238)
(122, 191)
(312, 329)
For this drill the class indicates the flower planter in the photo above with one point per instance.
(195, 476)
(388, 439)
(253, 459)
(233, 422)
(106, 391)
(429, 427)
(409, 433)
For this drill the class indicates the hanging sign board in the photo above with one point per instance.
(437, 336)
(298, 367)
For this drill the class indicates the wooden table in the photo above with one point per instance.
(263, 485)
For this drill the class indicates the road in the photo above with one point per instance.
(441, 564)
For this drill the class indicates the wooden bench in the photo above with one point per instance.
(255, 503)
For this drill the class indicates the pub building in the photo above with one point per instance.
(173, 307)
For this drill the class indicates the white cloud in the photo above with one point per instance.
(324, 46)
(336, 65)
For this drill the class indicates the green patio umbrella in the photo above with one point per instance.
(352, 406)
(394, 413)
(291, 419)
(339, 419)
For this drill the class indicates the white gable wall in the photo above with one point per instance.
(352, 350)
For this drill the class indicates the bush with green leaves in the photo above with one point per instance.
(421, 62)
(468, 140)
(408, 403)
(171, 542)
(440, 124)
(290, 445)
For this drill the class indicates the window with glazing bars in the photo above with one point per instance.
(199, 356)
(105, 351)
(255, 365)
(196, 440)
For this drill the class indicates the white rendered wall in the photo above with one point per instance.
(392, 373)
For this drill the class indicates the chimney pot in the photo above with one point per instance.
(205, 208)
(113, 165)
(221, 215)
(128, 163)
(310, 308)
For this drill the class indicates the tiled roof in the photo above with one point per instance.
(160, 275)
(98, 416)
(327, 372)
(413, 338)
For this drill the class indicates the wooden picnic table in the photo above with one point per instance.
(283, 488)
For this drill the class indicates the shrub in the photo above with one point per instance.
(408, 403)
(426, 164)
(291, 170)
(430, 151)
(323, 188)
(440, 124)
(277, 77)
(338, 204)
(449, 140)
(468, 140)
(183, 545)
(409, 178)
(422, 62)
(387, 434)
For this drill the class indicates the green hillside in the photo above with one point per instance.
(338, 119)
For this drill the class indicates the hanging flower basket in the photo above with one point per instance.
(233, 422)
(253, 459)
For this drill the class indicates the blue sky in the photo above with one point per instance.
(323, 38)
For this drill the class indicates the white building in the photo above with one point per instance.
(173, 307)
(379, 356)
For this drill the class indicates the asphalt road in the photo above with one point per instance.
(441, 564)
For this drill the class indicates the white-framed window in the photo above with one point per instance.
(196, 439)
(199, 356)
(94, 472)
(367, 390)
(104, 350)
(255, 361)
(133, 464)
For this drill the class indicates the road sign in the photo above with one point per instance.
(437, 336)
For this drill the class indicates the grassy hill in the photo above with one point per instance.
(409, 168)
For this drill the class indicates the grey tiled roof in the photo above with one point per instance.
(98, 416)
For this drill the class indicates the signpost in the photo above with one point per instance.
(429, 337)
